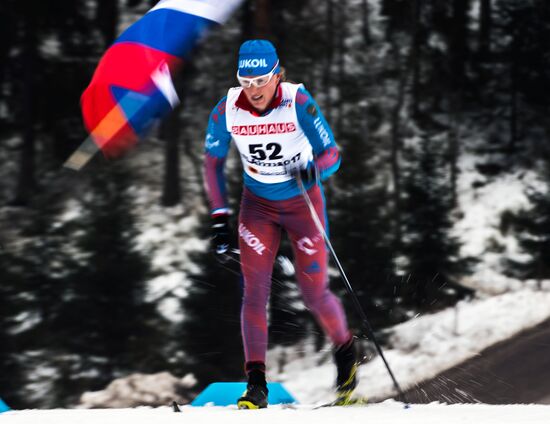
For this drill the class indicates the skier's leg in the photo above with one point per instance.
(311, 268)
(259, 237)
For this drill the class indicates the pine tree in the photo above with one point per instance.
(360, 227)
(209, 335)
(105, 318)
(519, 78)
(433, 266)
(361, 222)
(533, 230)
(11, 378)
(33, 272)
(43, 112)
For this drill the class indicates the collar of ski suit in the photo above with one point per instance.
(243, 103)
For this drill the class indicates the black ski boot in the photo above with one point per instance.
(255, 396)
(345, 357)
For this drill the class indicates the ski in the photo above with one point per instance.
(361, 401)
(356, 402)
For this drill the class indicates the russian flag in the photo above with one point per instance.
(132, 84)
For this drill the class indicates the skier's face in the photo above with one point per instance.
(260, 97)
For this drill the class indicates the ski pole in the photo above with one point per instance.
(357, 304)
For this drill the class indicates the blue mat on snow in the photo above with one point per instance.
(223, 394)
(3, 406)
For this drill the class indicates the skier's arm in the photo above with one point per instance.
(216, 147)
(319, 134)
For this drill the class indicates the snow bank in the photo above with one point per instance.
(141, 389)
(420, 349)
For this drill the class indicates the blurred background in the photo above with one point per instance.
(441, 112)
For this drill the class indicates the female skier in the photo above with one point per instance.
(279, 132)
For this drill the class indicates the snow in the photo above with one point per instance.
(420, 348)
(24, 321)
(479, 230)
(139, 389)
(388, 412)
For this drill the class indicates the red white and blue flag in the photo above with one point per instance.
(132, 84)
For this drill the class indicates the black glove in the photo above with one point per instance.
(220, 234)
(308, 174)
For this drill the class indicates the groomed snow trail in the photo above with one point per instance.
(388, 412)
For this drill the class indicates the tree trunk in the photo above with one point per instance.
(279, 29)
(512, 144)
(367, 38)
(458, 42)
(415, 53)
(107, 20)
(454, 143)
(388, 10)
(405, 69)
(262, 19)
(247, 23)
(26, 181)
(396, 142)
(459, 51)
(6, 35)
(439, 16)
(485, 25)
(329, 55)
(341, 48)
(171, 130)
(460, 38)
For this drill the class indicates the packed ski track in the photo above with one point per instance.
(388, 412)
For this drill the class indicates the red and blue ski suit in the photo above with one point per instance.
(292, 132)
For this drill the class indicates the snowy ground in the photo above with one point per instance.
(423, 347)
(418, 350)
(389, 412)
